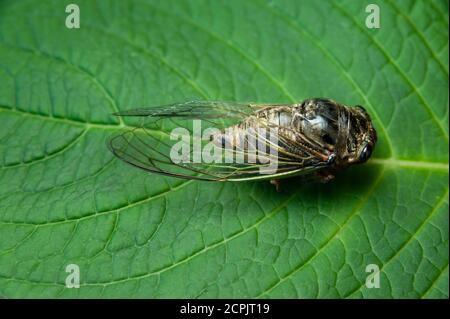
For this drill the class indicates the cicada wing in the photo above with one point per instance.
(216, 111)
(178, 140)
(150, 151)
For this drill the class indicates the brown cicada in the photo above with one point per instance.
(229, 141)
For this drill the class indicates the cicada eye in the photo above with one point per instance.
(365, 153)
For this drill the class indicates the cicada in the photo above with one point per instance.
(231, 141)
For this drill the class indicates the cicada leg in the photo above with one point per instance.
(324, 176)
(277, 184)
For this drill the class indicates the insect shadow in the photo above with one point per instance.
(354, 180)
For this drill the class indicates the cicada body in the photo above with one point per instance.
(228, 141)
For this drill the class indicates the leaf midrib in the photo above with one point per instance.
(433, 165)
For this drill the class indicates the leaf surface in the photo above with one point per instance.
(65, 200)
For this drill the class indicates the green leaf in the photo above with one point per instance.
(64, 199)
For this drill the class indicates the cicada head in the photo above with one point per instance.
(360, 138)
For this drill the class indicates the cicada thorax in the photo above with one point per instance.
(318, 121)
(338, 131)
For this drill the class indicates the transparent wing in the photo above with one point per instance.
(192, 140)
(196, 110)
